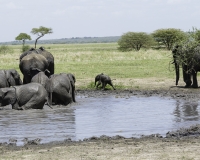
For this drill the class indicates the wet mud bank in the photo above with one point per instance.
(175, 92)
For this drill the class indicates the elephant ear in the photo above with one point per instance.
(71, 80)
(34, 71)
(10, 78)
(8, 96)
(41, 48)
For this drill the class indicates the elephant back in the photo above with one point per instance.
(35, 61)
(42, 79)
(49, 57)
(59, 81)
(30, 51)
(3, 79)
(31, 64)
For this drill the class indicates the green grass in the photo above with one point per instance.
(85, 61)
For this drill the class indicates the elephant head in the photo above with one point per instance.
(13, 77)
(7, 96)
(98, 78)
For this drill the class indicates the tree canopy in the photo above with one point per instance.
(168, 37)
(195, 34)
(23, 37)
(40, 32)
(134, 41)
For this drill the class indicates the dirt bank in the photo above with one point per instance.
(180, 144)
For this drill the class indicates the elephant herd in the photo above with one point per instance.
(40, 85)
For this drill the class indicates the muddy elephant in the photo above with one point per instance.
(190, 66)
(32, 64)
(103, 80)
(42, 79)
(62, 89)
(9, 78)
(55, 83)
(45, 53)
(27, 96)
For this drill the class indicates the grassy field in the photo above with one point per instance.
(85, 61)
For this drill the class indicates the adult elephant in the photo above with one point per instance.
(28, 96)
(32, 64)
(49, 57)
(190, 64)
(57, 86)
(9, 78)
(42, 79)
(62, 88)
(45, 53)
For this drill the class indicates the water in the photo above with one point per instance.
(128, 117)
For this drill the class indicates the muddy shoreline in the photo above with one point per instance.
(183, 134)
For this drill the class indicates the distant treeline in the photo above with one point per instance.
(69, 40)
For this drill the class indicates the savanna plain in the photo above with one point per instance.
(145, 71)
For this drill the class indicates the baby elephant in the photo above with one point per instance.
(104, 80)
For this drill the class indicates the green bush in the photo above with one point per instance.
(5, 49)
(25, 48)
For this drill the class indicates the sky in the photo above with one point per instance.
(95, 18)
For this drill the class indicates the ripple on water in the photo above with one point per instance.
(128, 117)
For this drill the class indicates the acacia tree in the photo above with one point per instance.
(195, 34)
(40, 32)
(23, 37)
(134, 40)
(168, 37)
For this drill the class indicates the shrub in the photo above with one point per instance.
(5, 49)
(25, 48)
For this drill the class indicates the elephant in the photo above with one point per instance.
(9, 78)
(190, 66)
(23, 97)
(49, 84)
(49, 57)
(32, 64)
(46, 54)
(104, 80)
(42, 79)
(62, 88)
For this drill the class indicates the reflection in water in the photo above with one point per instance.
(128, 117)
(186, 111)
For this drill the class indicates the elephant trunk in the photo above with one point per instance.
(175, 56)
(177, 73)
(19, 82)
(96, 80)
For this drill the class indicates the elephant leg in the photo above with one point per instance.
(63, 99)
(187, 80)
(110, 83)
(99, 83)
(34, 103)
(16, 106)
(104, 85)
(194, 76)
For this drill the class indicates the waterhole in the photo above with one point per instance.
(128, 117)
